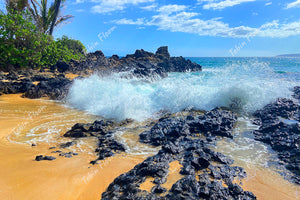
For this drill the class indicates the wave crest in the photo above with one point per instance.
(248, 85)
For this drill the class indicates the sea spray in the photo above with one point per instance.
(250, 84)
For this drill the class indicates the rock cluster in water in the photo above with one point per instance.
(103, 130)
(280, 128)
(205, 174)
(296, 91)
(215, 122)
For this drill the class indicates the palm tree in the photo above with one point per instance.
(46, 19)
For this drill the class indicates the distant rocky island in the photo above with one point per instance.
(289, 56)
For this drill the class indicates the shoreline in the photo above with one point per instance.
(45, 126)
(65, 177)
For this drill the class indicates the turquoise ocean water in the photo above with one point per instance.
(252, 82)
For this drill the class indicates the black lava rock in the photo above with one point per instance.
(282, 107)
(202, 171)
(280, 133)
(296, 91)
(103, 130)
(217, 122)
(206, 174)
(54, 88)
(66, 145)
(140, 64)
(41, 157)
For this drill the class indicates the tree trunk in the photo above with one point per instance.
(57, 7)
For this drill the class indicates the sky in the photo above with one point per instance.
(191, 28)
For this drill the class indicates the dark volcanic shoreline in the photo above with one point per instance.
(53, 83)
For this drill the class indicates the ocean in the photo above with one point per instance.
(246, 84)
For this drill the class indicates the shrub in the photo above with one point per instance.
(70, 49)
(22, 45)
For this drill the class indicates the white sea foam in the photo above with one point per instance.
(254, 84)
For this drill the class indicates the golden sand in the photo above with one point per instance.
(71, 76)
(63, 178)
(269, 185)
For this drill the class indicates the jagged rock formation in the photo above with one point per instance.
(204, 174)
(280, 128)
(139, 64)
(103, 130)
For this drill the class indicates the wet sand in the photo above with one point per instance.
(269, 185)
(63, 178)
(22, 120)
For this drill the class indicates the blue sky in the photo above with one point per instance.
(189, 27)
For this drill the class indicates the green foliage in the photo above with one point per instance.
(70, 49)
(23, 45)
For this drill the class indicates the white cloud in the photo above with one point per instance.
(268, 3)
(79, 1)
(219, 5)
(140, 21)
(80, 10)
(295, 4)
(187, 22)
(107, 6)
(281, 30)
(150, 7)
(168, 9)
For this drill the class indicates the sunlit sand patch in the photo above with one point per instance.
(173, 175)
(172, 178)
(267, 184)
(148, 184)
(71, 76)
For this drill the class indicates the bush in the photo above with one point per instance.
(22, 45)
(70, 49)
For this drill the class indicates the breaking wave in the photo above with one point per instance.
(247, 85)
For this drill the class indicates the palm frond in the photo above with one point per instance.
(63, 19)
(45, 15)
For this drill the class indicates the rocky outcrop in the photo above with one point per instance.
(280, 128)
(204, 174)
(103, 130)
(139, 64)
(35, 84)
(281, 107)
(54, 88)
(93, 62)
(14, 87)
(296, 91)
(213, 123)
